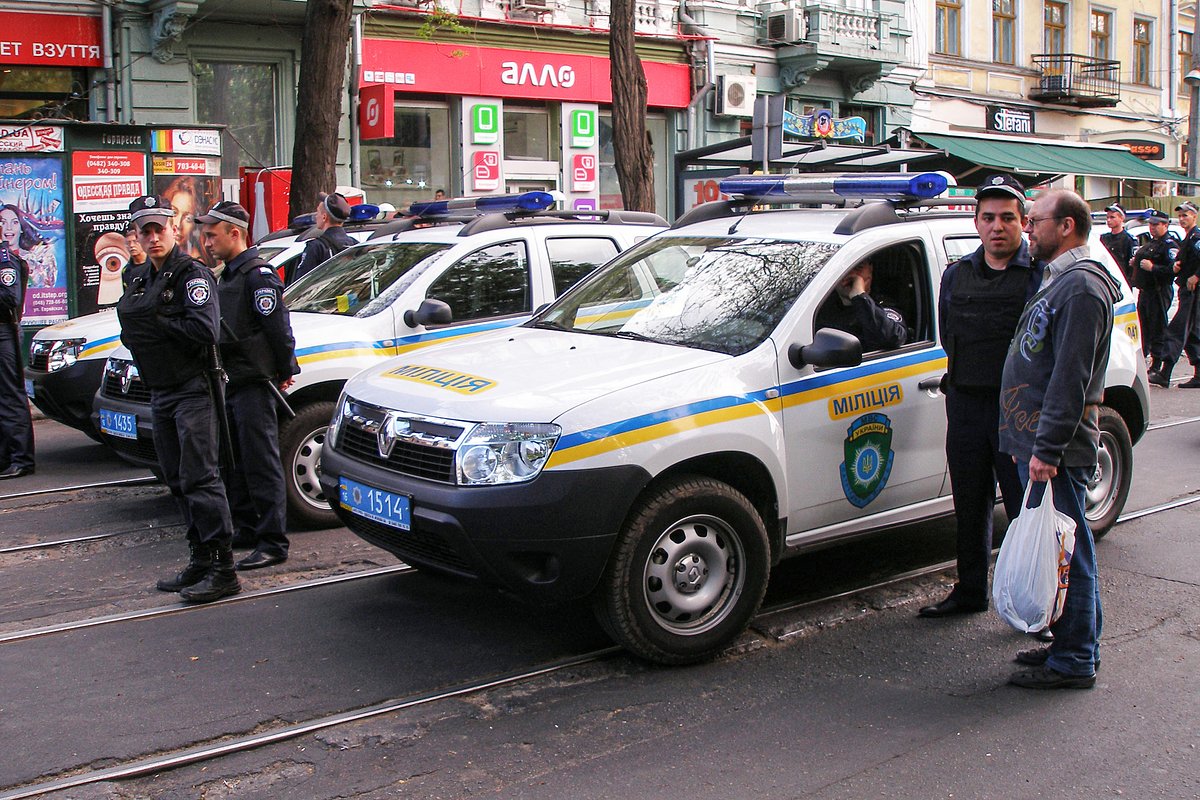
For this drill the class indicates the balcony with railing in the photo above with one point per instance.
(1077, 80)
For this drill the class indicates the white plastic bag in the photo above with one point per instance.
(1030, 584)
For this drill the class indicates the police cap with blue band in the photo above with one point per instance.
(1158, 216)
(226, 211)
(150, 208)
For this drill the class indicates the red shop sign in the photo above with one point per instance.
(410, 66)
(50, 40)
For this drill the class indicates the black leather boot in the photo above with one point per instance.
(220, 581)
(197, 567)
(1192, 382)
(1161, 376)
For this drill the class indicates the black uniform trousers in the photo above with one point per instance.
(976, 464)
(1182, 336)
(16, 426)
(257, 497)
(1152, 307)
(187, 440)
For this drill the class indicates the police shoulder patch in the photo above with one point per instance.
(1173, 254)
(266, 270)
(893, 315)
(265, 301)
(197, 291)
(8, 276)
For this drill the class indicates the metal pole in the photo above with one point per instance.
(1193, 83)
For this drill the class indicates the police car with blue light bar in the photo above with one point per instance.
(681, 420)
(445, 270)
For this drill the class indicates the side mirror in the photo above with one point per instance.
(431, 312)
(830, 348)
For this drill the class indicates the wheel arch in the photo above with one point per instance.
(317, 392)
(1124, 400)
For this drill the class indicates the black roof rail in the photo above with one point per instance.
(489, 222)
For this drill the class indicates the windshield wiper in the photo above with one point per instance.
(549, 325)
(637, 337)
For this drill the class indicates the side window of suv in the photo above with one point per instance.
(572, 259)
(491, 282)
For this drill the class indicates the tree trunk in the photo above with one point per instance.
(632, 149)
(319, 101)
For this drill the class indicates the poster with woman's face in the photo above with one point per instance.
(191, 196)
(31, 223)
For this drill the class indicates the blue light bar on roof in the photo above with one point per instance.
(877, 185)
(363, 211)
(487, 204)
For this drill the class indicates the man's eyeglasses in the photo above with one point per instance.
(1033, 221)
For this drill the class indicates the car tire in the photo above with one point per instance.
(710, 544)
(1108, 488)
(300, 441)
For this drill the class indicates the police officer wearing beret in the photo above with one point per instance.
(16, 426)
(980, 303)
(257, 350)
(332, 211)
(1118, 241)
(1154, 268)
(170, 323)
(1182, 336)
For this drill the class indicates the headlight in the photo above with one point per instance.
(335, 424)
(497, 453)
(59, 353)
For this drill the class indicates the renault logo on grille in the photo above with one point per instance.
(385, 437)
(127, 379)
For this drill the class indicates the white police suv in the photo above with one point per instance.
(449, 270)
(663, 433)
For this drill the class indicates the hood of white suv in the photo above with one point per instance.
(488, 378)
(101, 333)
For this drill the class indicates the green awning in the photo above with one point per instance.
(1043, 159)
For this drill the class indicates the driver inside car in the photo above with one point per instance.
(875, 320)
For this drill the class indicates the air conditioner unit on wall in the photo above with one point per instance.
(735, 95)
(1056, 85)
(785, 27)
(534, 5)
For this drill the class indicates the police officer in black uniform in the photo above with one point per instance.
(1182, 335)
(980, 303)
(1154, 267)
(332, 211)
(16, 426)
(170, 322)
(878, 324)
(1118, 241)
(257, 350)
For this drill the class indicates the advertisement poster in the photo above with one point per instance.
(191, 195)
(31, 221)
(103, 184)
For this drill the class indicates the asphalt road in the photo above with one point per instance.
(851, 697)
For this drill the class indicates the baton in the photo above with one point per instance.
(216, 386)
(279, 396)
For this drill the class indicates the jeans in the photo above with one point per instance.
(1076, 646)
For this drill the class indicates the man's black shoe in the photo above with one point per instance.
(258, 559)
(952, 606)
(1045, 678)
(1037, 656)
(16, 472)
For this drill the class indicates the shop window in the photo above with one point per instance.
(526, 134)
(41, 92)
(610, 188)
(242, 97)
(572, 259)
(415, 163)
(491, 282)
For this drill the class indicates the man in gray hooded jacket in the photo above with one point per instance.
(1049, 405)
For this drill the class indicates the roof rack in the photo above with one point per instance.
(489, 222)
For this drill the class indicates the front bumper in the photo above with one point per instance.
(546, 541)
(139, 451)
(65, 395)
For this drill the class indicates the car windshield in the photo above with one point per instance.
(713, 293)
(361, 281)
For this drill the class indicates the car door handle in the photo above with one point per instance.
(930, 384)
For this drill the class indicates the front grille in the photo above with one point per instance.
(138, 391)
(421, 447)
(422, 546)
(140, 450)
(40, 360)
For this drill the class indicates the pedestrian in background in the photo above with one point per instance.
(257, 349)
(332, 212)
(170, 322)
(981, 299)
(1154, 266)
(1053, 384)
(1182, 336)
(16, 424)
(1118, 241)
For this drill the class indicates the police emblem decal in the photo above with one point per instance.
(8, 276)
(197, 291)
(264, 301)
(868, 458)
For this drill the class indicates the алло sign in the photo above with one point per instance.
(1004, 119)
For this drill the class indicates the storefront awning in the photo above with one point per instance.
(1042, 160)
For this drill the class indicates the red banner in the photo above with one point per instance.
(50, 40)
(409, 66)
(377, 118)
